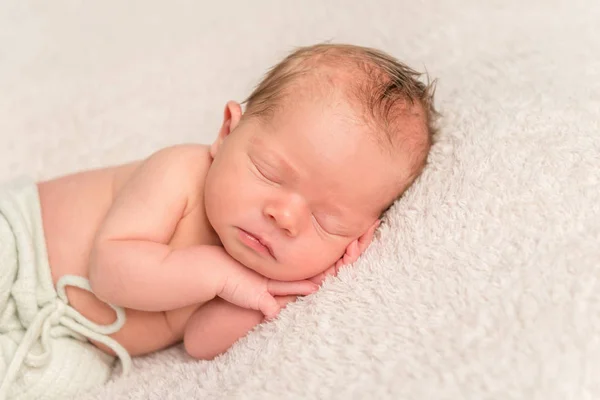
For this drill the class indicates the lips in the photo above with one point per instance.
(256, 243)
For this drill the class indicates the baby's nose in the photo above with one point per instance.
(288, 216)
(285, 221)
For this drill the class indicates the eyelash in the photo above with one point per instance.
(262, 174)
(316, 221)
(320, 226)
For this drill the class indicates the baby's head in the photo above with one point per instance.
(329, 139)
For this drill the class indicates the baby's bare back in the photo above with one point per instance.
(73, 208)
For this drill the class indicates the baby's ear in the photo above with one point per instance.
(358, 246)
(231, 117)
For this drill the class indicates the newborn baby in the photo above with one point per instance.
(200, 243)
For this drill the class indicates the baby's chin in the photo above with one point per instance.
(273, 269)
(290, 271)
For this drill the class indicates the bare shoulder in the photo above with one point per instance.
(179, 169)
(189, 160)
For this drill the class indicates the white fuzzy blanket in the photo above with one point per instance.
(483, 282)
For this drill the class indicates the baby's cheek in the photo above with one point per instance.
(314, 260)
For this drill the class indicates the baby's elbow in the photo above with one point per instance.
(102, 289)
(103, 282)
(198, 349)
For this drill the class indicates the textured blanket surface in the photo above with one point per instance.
(483, 280)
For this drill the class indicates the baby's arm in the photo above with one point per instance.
(218, 324)
(133, 266)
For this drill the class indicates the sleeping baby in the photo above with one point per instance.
(201, 243)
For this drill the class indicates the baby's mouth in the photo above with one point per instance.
(256, 243)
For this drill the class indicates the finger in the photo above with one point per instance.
(352, 253)
(282, 288)
(356, 248)
(268, 306)
(319, 279)
(331, 271)
(285, 300)
(365, 240)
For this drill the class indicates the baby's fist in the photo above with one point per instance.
(270, 307)
(248, 289)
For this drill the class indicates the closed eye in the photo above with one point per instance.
(264, 174)
(339, 232)
(319, 225)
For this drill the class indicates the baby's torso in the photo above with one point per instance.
(73, 207)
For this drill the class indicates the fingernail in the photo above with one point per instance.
(272, 317)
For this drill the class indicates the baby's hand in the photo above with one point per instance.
(353, 251)
(248, 289)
